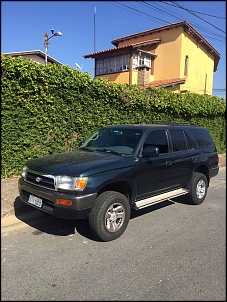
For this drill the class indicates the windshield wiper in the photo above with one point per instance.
(86, 149)
(109, 151)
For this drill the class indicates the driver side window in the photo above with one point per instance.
(158, 139)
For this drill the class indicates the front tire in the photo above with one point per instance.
(198, 188)
(109, 216)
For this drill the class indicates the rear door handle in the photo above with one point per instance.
(169, 163)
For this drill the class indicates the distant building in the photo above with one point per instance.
(174, 56)
(36, 55)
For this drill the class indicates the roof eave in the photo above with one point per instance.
(33, 52)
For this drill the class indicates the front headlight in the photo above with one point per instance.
(24, 171)
(71, 183)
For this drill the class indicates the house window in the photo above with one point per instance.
(106, 66)
(186, 66)
(99, 66)
(140, 58)
(112, 64)
(126, 60)
(119, 63)
(135, 61)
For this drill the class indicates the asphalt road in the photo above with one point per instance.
(169, 252)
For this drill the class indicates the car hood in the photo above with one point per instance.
(78, 163)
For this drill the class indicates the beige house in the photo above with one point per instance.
(36, 55)
(174, 56)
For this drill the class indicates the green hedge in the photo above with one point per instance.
(50, 109)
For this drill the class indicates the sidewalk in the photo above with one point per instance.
(11, 203)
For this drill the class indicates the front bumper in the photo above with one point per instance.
(81, 205)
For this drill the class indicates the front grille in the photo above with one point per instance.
(44, 181)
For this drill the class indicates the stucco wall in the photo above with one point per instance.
(167, 62)
(134, 77)
(122, 78)
(200, 65)
(35, 58)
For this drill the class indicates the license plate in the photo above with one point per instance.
(35, 200)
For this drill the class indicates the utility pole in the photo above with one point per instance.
(94, 30)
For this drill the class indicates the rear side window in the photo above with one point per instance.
(158, 139)
(180, 140)
(202, 137)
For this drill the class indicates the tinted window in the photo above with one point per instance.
(202, 137)
(123, 140)
(180, 140)
(189, 142)
(158, 139)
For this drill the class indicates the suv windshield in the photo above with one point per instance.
(117, 140)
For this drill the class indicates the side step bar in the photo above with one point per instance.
(158, 198)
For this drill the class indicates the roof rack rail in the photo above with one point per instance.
(160, 122)
(182, 124)
(168, 123)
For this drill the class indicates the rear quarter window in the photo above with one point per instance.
(202, 138)
(180, 141)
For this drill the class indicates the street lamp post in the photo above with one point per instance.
(47, 41)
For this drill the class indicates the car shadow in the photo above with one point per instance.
(45, 223)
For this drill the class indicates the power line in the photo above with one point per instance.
(197, 12)
(145, 15)
(148, 16)
(191, 12)
(194, 24)
(133, 9)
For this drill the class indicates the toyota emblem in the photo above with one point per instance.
(38, 179)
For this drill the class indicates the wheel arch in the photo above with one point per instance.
(204, 170)
(120, 186)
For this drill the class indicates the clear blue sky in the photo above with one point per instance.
(23, 24)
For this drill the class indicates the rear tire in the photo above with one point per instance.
(198, 188)
(109, 216)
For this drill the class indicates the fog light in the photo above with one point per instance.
(64, 202)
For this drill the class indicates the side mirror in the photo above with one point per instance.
(150, 151)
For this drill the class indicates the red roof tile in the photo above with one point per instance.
(167, 82)
(146, 42)
(92, 55)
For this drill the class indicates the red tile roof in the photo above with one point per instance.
(167, 82)
(93, 55)
(147, 42)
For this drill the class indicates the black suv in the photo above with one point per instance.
(120, 168)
